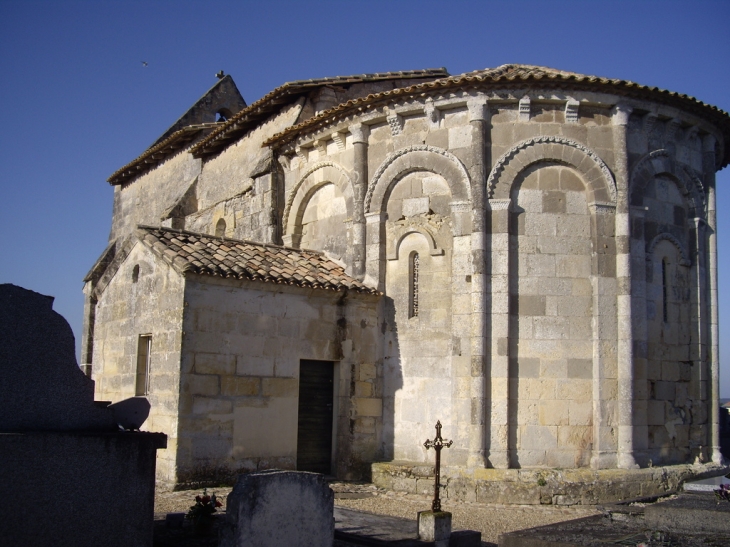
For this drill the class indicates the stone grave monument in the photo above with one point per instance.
(70, 475)
(275, 508)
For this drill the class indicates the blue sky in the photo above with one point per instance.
(77, 102)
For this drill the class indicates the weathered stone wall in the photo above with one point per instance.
(145, 199)
(239, 389)
(153, 304)
(553, 229)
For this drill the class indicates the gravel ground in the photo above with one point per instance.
(490, 519)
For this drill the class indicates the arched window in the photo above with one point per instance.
(135, 273)
(220, 228)
(413, 282)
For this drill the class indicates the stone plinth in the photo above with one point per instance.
(435, 526)
(540, 486)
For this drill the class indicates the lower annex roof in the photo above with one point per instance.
(190, 252)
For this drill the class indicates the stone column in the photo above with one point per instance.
(709, 166)
(497, 304)
(625, 350)
(359, 134)
(640, 328)
(374, 254)
(478, 118)
(699, 319)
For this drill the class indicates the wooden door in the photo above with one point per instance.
(314, 432)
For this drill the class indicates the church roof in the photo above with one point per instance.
(508, 76)
(258, 111)
(200, 117)
(190, 252)
(159, 152)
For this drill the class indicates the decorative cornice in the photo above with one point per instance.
(603, 208)
(684, 261)
(407, 150)
(460, 206)
(549, 139)
(307, 173)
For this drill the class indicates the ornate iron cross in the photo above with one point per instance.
(437, 444)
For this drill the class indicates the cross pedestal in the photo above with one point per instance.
(435, 526)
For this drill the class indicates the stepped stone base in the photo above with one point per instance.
(540, 486)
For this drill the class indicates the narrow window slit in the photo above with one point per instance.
(413, 292)
(664, 290)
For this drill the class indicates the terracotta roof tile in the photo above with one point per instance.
(248, 260)
(508, 75)
(258, 111)
(158, 153)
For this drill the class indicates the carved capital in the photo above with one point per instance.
(621, 113)
(360, 133)
(708, 143)
(477, 107)
(499, 204)
(375, 218)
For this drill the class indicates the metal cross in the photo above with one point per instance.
(437, 444)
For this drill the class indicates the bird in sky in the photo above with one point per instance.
(144, 63)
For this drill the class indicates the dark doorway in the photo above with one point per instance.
(314, 432)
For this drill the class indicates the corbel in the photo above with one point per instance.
(524, 109)
(395, 122)
(339, 138)
(571, 110)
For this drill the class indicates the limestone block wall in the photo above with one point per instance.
(239, 388)
(126, 309)
(146, 199)
(237, 185)
(670, 243)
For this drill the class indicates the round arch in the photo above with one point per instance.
(318, 175)
(685, 261)
(596, 175)
(417, 158)
(660, 162)
(433, 249)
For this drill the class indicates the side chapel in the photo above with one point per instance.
(310, 281)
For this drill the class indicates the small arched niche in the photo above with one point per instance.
(220, 228)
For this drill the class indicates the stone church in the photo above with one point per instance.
(311, 281)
